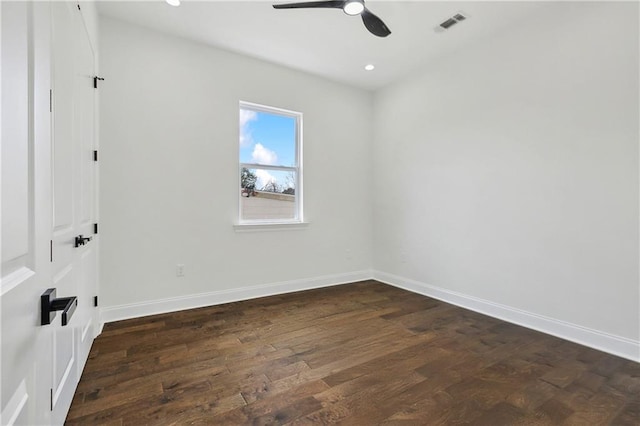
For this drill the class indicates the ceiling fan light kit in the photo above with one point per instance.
(353, 7)
(350, 7)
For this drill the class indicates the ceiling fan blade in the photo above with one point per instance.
(374, 24)
(332, 4)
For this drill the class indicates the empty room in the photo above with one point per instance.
(320, 212)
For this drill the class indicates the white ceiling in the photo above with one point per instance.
(327, 42)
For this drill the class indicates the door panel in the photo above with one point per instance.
(15, 137)
(63, 360)
(84, 130)
(64, 152)
(48, 198)
(26, 219)
(65, 175)
(18, 272)
(84, 120)
(16, 410)
(73, 198)
(86, 309)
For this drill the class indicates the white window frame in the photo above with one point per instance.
(297, 169)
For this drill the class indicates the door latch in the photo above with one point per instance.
(80, 240)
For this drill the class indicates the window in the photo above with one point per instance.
(270, 165)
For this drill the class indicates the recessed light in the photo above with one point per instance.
(369, 67)
(175, 3)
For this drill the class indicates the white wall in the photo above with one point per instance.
(508, 172)
(169, 185)
(506, 176)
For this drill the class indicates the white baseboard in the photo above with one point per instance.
(100, 327)
(161, 306)
(616, 345)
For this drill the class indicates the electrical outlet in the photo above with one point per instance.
(180, 270)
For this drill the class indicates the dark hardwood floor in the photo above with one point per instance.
(358, 354)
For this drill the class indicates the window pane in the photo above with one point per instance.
(266, 138)
(267, 194)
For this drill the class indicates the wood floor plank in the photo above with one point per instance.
(358, 354)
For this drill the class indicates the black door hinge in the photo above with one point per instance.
(51, 399)
(50, 250)
(50, 100)
(95, 301)
(95, 155)
(95, 81)
(95, 228)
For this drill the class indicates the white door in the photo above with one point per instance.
(48, 199)
(74, 259)
(84, 128)
(26, 210)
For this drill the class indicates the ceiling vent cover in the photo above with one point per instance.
(450, 22)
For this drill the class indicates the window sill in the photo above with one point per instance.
(270, 226)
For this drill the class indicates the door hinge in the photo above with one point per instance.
(51, 399)
(95, 228)
(95, 81)
(50, 100)
(50, 250)
(95, 155)
(95, 301)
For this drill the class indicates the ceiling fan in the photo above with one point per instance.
(350, 7)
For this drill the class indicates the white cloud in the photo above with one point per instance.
(246, 116)
(263, 155)
(264, 177)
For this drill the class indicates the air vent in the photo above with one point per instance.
(450, 22)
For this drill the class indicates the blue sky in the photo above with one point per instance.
(267, 138)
